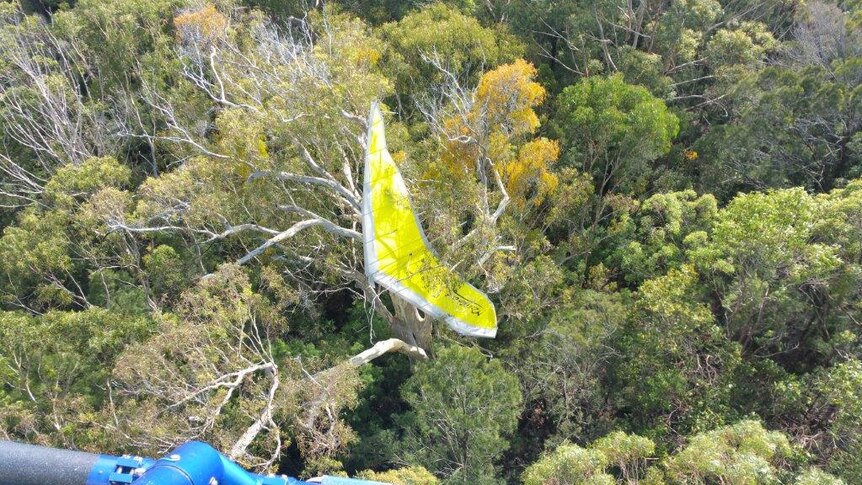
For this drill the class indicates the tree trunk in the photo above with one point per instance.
(410, 326)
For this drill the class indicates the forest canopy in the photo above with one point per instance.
(662, 199)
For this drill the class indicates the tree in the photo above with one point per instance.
(653, 239)
(560, 354)
(489, 133)
(816, 476)
(441, 35)
(56, 374)
(464, 406)
(741, 453)
(218, 370)
(569, 464)
(769, 273)
(47, 120)
(821, 411)
(659, 198)
(792, 123)
(292, 159)
(614, 131)
(415, 475)
(677, 374)
(487, 149)
(58, 249)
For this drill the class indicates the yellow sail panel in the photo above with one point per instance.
(397, 253)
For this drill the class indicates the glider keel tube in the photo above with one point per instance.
(22, 464)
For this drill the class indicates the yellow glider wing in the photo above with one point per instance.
(397, 253)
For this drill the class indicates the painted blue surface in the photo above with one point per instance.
(197, 463)
(194, 463)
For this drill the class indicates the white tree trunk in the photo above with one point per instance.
(411, 326)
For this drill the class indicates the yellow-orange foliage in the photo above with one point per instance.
(508, 95)
(689, 154)
(207, 24)
(531, 170)
(497, 124)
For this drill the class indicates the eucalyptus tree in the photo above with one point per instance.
(275, 176)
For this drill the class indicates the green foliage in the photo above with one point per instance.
(792, 128)
(464, 407)
(76, 183)
(677, 362)
(661, 198)
(815, 476)
(768, 266)
(118, 34)
(380, 11)
(661, 231)
(219, 362)
(614, 130)
(829, 402)
(570, 464)
(742, 453)
(34, 256)
(168, 272)
(55, 248)
(443, 35)
(56, 370)
(414, 475)
(744, 45)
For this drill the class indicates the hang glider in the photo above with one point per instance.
(397, 253)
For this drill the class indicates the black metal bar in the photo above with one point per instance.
(22, 464)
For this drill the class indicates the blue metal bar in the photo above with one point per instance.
(194, 463)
